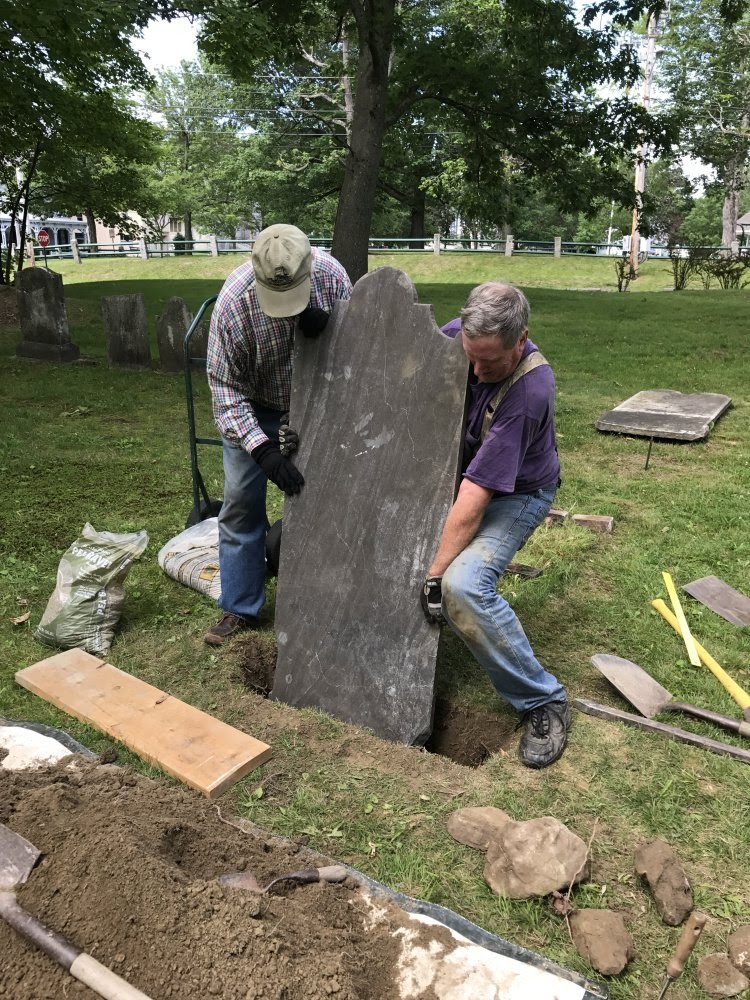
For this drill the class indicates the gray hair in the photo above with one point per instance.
(496, 309)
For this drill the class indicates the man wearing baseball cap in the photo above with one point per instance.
(287, 286)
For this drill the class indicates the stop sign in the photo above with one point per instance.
(43, 238)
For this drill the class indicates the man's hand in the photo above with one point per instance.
(431, 597)
(278, 468)
(313, 321)
(288, 438)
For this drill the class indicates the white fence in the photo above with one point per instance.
(213, 246)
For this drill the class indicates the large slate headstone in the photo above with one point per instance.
(378, 401)
(126, 330)
(43, 317)
(171, 328)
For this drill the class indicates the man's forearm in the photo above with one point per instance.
(461, 525)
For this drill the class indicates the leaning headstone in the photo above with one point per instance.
(378, 401)
(126, 330)
(43, 317)
(171, 328)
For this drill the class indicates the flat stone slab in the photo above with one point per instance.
(664, 413)
(378, 401)
(719, 597)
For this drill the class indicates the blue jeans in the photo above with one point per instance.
(242, 524)
(482, 618)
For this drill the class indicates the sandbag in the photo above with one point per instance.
(85, 607)
(192, 557)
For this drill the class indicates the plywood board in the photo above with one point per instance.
(191, 745)
(378, 401)
(721, 598)
(664, 413)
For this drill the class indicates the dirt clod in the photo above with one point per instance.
(477, 826)
(534, 858)
(602, 939)
(659, 865)
(719, 978)
(739, 949)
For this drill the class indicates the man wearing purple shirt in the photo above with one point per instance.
(511, 472)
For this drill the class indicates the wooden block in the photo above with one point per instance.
(191, 745)
(595, 522)
(556, 516)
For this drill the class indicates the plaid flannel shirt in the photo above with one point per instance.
(250, 354)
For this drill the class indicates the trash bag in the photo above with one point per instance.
(85, 606)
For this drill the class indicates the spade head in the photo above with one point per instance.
(633, 683)
(17, 859)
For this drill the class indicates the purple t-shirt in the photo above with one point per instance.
(519, 454)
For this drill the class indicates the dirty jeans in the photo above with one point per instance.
(482, 618)
(242, 524)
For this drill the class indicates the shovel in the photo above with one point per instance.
(649, 697)
(17, 859)
(246, 880)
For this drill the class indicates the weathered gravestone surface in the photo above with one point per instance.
(667, 414)
(43, 317)
(171, 328)
(126, 329)
(378, 401)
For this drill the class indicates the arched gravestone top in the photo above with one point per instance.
(379, 403)
(43, 316)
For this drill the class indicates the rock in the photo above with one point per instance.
(659, 865)
(534, 858)
(719, 977)
(739, 949)
(476, 826)
(602, 939)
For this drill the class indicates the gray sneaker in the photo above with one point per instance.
(545, 734)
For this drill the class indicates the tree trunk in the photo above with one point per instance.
(729, 212)
(417, 216)
(91, 226)
(188, 221)
(357, 201)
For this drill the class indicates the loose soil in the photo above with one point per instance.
(129, 873)
(466, 735)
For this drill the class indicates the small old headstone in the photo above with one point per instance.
(43, 317)
(171, 328)
(126, 330)
(378, 401)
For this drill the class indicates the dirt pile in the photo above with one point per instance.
(129, 874)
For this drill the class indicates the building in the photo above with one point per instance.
(61, 229)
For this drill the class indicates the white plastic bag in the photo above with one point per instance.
(192, 557)
(85, 606)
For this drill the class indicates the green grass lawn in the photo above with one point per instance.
(86, 443)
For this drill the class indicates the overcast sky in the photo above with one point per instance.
(167, 43)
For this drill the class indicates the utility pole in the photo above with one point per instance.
(652, 32)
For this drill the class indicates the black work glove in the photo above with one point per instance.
(288, 437)
(312, 322)
(278, 468)
(431, 597)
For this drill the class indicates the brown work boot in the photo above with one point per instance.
(228, 626)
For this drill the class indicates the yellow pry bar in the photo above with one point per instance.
(740, 696)
(684, 629)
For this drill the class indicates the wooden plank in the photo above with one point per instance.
(680, 735)
(720, 598)
(191, 745)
